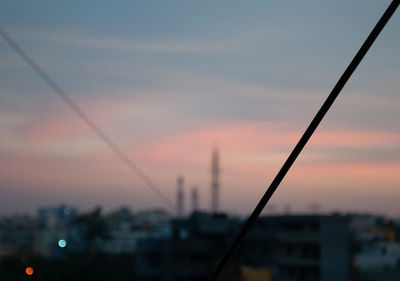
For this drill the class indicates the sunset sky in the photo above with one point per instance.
(170, 80)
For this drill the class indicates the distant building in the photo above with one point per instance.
(123, 240)
(16, 235)
(195, 246)
(55, 224)
(125, 231)
(60, 215)
(119, 217)
(284, 248)
(300, 248)
(195, 199)
(157, 218)
(379, 261)
(215, 182)
(180, 198)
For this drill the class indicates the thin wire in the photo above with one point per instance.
(306, 136)
(85, 118)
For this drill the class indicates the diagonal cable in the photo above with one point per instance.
(85, 118)
(306, 136)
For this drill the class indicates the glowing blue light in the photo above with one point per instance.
(62, 243)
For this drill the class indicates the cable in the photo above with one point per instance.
(306, 136)
(85, 118)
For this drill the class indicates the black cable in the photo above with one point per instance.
(306, 136)
(85, 118)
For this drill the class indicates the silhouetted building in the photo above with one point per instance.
(195, 246)
(55, 224)
(16, 235)
(379, 261)
(215, 181)
(195, 199)
(56, 216)
(180, 197)
(284, 248)
(315, 248)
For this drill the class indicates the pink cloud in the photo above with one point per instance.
(255, 140)
(61, 127)
(57, 129)
(251, 154)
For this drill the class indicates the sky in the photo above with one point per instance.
(169, 81)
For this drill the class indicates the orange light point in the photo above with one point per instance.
(29, 270)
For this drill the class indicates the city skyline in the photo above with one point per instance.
(168, 81)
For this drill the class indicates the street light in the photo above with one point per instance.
(62, 243)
